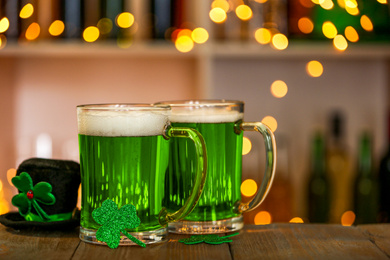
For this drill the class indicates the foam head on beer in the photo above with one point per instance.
(123, 122)
(204, 115)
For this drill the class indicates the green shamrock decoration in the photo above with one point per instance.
(209, 239)
(30, 195)
(114, 221)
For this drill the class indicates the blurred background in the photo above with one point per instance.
(316, 71)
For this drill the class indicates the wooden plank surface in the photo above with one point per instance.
(380, 235)
(304, 241)
(275, 241)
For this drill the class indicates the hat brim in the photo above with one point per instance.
(16, 221)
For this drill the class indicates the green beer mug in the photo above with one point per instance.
(221, 124)
(124, 156)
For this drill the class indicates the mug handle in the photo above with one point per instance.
(200, 177)
(269, 174)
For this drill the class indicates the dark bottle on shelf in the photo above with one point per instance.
(384, 182)
(339, 168)
(318, 186)
(72, 14)
(365, 189)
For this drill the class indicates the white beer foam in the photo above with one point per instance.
(205, 115)
(115, 123)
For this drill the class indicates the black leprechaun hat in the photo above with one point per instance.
(48, 191)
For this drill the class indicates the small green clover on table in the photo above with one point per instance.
(209, 239)
(30, 195)
(115, 221)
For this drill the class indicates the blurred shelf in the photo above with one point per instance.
(295, 50)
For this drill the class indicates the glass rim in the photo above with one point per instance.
(123, 107)
(201, 103)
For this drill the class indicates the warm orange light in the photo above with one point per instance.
(382, 1)
(263, 36)
(279, 88)
(244, 12)
(296, 220)
(279, 41)
(329, 30)
(270, 122)
(351, 34)
(10, 174)
(348, 218)
(314, 68)
(4, 24)
(4, 206)
(56, 28)
(263, 218)
(125, 20)
(33, 31)
(1, 185)
(200, 35)
(366, 23)
(327, 4)
(184, 44)
(246, 145)
(261, 1)
(340, 43)
(305, 25)
(248, 187)
(26, 11)
(184, 32)
(307, 3)
(217, 15)
(91, 34)
(223, 4)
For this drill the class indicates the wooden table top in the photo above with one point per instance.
(274, 241)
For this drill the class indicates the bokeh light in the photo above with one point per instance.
(270, 122)
(57, 28)
(105, 25)
(348, 218)
(10, 174)
(305, 25)
(351, 34)
(366, 23)
(279, 41)
(248, 187)
(33, 31)
(125, 20)
(26, 11)
(263, 36)
(329, 30)
(340, 43)
(244, 12)
(4, 24)
(296, 220)
(184, 44)
(4, 206)
(246, 145)
(314, 68)
(200, 35)
(263, 218)
(91, 34)
(279, 88)
(217, 15)
(327, 4)
(382, 1)
(223, 4)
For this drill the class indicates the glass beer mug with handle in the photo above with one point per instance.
(124, 156)
(221, 124)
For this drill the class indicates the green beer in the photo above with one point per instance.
(222, 189)
(124, 156)
(219, 208)
(128, 169)
(224, 151)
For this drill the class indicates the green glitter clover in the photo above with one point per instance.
(209, 239)
(114, 221)
(31, 195)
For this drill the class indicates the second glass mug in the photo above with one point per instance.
(124, 153)
(221, 124)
